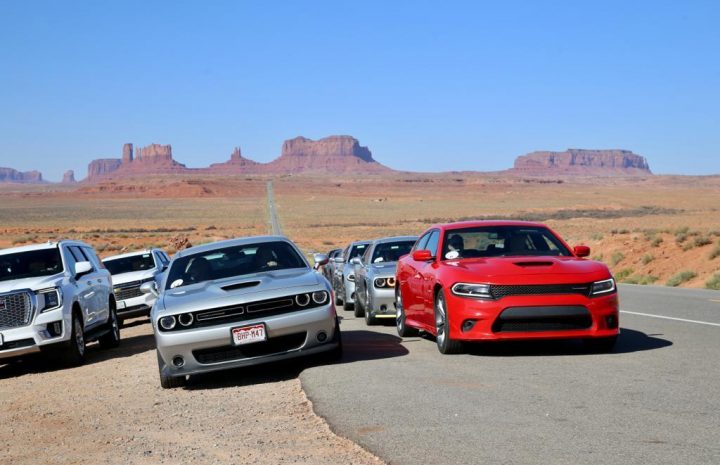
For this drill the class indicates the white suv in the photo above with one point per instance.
(56, 297)
(130, 271)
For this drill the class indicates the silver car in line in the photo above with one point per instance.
(375, 277)
(344, 280)
(237, 303)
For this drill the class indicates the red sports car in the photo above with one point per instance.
(504, 280)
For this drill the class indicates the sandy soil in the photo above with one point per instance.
(113, 411)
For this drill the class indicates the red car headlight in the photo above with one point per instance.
(602, 287)
(478, 291)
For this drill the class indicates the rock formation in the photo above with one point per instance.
(582, 162)
(102, 167)
(151, 160)
(127, 156)
(69, 177)
(155, 153)
(11, 175)
(334, 154)
(236, 165)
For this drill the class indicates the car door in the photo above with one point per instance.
(426, 277)
(85, 288)
(361, 276)
(102, 285)
(411, 285)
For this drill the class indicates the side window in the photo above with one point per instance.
(366, 255)
(432, 244)
(77, 254)
(92, 257)
(422, 242)
(69, 259)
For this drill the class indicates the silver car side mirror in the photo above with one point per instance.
(355, 261)
(149, 288)
(320, 259)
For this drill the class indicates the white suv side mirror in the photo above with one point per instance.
(82, 268)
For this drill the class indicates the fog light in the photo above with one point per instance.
(322, 336)
(178, 361)
(468, 325)
(611, 322)
(185, 319)
(383, 308)
(54, 329)
(167, 322)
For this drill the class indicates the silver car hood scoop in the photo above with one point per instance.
(241, 285)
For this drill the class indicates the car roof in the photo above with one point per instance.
(129, 254)
(384, 240)
(42, 246)
(481, 223)
(359, 243)
(231, 243)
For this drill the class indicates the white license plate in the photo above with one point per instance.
(248, 334)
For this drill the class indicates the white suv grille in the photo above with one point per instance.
(15, 310)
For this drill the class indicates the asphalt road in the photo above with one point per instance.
(272, 212)
(656, 399)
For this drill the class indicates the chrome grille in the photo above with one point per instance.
(499, 291)
(16, 310)
(127, 290)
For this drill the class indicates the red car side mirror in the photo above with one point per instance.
(422, 256)
(581, 251)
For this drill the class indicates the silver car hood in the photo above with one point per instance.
(260, 286)
(382, 269)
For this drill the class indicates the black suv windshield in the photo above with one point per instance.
(391, 251)
(129, 264)
(233, 261)
(501, 241)
(30, 264)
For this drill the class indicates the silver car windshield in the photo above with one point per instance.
(233, 261)
(391, 251)
(130, 264)
(30, 264)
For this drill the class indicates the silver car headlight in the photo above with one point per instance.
(384, 283)
(480, 291)
(603, 287)
(320, 297)
(49, 299)
(351, 278)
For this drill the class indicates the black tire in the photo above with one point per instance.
(338, 300)
(112, 338)
(359, 308)
(445, 344)
(347, 306)
(73, 353)
(169, 382)
(370, 320)
(402, 329)
(601, 345)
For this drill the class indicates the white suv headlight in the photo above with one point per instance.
(49, 299)
(480, 291)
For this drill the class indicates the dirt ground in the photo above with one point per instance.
(112, 410)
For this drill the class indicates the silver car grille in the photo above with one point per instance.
(16, 310)
(127, 290)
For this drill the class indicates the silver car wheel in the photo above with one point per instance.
(440, 320)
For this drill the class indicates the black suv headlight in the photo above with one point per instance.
(479, 291)
(49, 299)
(602, 287)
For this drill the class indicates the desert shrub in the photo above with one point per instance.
(620, 231)
(328, 243)
(714, 282)
(617, 257)
(700, 241)
(623, 274)
(597, 236)
(681, 277)
(643, 279)
(714, 232)
(681, 237)
(656, 242)
(714, 253)
(647, 258)
(210, 228)
(688, 246)
(101, 247)
(682, 230)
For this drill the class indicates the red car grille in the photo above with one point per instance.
(499, 291)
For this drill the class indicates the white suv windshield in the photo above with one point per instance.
(30, 264)
(233, 261)
(129, 264)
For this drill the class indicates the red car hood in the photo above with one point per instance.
(526, 270)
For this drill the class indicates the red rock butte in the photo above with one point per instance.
(582, 162)
(11, 175)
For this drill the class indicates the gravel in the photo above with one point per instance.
(112, 410)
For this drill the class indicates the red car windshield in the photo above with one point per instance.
(501, 241)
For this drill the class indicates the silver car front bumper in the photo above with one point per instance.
(381, 303)
(189, 343)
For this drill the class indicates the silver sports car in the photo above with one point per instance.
(375, 277)
(344, 282)
(240, 302)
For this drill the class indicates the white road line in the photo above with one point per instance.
(671, 318)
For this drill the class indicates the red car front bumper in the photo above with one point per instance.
(532, 317)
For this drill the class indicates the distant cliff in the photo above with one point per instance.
(11, 175)
(151, 160)
(582, 162)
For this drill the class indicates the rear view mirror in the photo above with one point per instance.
(581, 251)
(422, 255)
(82, 268)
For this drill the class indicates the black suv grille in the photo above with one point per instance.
(499, 291)
(127, 290)
(15, 310)
(274, 345)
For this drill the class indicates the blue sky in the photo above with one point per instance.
(426, 85)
